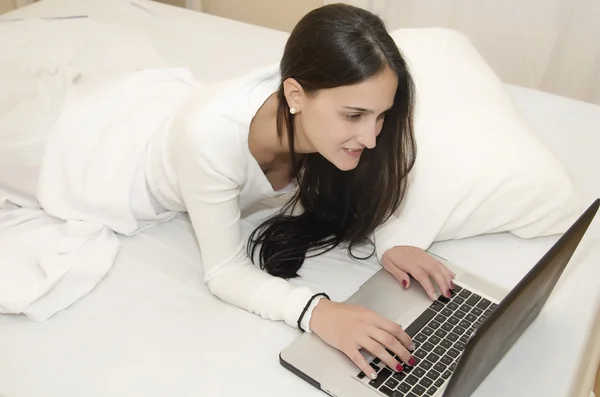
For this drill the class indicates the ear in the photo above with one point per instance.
(294, 94)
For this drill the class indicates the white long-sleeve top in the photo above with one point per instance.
(203, 165)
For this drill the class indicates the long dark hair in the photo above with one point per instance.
(338, 45)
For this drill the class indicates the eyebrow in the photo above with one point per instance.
(363, 110)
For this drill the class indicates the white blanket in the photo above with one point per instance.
(72, 139)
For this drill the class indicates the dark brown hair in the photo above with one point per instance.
(338, 45)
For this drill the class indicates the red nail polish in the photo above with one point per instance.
(399, 368)
(412, 361)
(404, 283)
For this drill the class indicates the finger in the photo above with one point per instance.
(398, 273)
(377, 349)
(358, 359)
(423, 279)
(442, 282)
(392, 344)
(396, 330)
(447, 275)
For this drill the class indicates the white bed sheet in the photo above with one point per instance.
(151, 328)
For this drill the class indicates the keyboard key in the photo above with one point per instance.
(443, 299)
(418, 372)
(423, 319)
(460, 314)
(411, 379)
(447, 326)
(457, 288)
(453, 367)
(419, 390)
(404, 387)
(447, 360)
(381, 377)
(425, 364)
(453, 320)
(446, 343)
(466, 308)
(471, 318)
(440, 367)
(437, 306)
(392, 383)
(459, 346)
(411, 395)
(427, 331)
(440, 381)
(361, 375)
(464, 323)
(376, 361)
(421, 337)
(445, 375)
(387, 391)
(440, 318)
(399, 376)
(459, 330)
(493, 306)
(439, 350)
(431, 391)
(464, 293)
(458, 300)
(446, 312)
(453, 352)
(473, 299)
(426, 382)
(464, 339)
(427, 346)
(452, 336)
(476, 311)
(433, 324)
(433, 357)
(433, 374)
(434, 339)
(421, 353)
(452, 306)
(440, 333)
(483, 304)
(487, 313)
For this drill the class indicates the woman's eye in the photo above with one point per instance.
(354, 117)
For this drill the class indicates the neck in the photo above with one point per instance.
(263, 139)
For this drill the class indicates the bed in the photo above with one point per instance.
(151, 328)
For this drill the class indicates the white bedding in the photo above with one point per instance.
(151, 328)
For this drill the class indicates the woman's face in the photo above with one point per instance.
(341, 122)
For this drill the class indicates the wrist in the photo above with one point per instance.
(318, 314)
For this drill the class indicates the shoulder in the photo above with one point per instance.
(201, 136)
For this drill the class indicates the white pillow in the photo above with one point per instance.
(479, 169)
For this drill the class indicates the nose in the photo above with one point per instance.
(368, 137)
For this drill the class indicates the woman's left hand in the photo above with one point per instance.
(401, 261)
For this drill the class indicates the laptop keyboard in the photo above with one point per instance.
(439, 335)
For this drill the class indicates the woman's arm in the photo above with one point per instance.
(210, 171)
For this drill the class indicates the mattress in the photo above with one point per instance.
(151, 327)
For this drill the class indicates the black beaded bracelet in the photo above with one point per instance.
(306, 308)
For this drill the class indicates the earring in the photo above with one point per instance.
(293, 110)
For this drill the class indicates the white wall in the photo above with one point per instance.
(550, 45)
(275, 14)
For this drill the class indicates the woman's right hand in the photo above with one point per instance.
(350, 328)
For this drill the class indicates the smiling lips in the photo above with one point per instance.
(353, 152)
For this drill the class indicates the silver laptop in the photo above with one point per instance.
(458, 340)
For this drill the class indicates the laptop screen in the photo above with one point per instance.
(497, 334)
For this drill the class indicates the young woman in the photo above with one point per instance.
(332, 123)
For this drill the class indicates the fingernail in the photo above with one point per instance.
(433, 296)
(412, 361)
(411, 347)
(373, 375)
(399, 368)
(404, 283)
